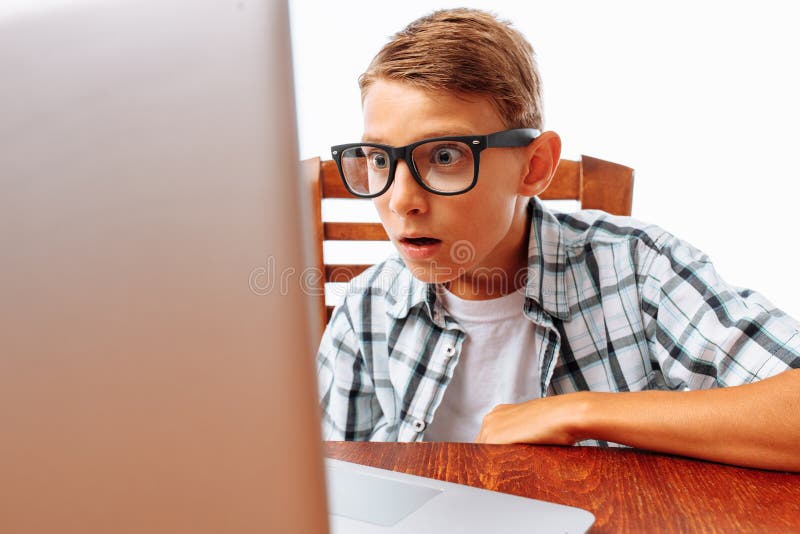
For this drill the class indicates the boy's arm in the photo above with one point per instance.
(754, 425)
(731, 348)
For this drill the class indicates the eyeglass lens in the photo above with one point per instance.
(446, 166)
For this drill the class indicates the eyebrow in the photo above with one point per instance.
(450, 132)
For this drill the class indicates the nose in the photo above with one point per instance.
(406, 196)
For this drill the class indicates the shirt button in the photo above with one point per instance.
(449, 350)
(418, 425)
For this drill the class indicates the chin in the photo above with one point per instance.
(434, 273)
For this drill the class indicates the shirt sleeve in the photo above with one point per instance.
(706, 333)
(346, 390)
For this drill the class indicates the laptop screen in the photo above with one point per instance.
(156, 362)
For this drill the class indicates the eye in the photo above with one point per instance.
(446, 155)
(378, 159)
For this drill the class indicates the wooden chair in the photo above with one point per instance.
(595, 183)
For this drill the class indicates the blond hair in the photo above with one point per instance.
(465, 51)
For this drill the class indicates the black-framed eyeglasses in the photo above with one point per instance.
(442, 165)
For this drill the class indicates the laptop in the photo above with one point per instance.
(156, 351)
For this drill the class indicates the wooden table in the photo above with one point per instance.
(626, 490)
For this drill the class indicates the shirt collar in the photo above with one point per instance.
(547, 262)
(407, 293)
(547, 266)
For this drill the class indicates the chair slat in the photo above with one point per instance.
(337, 231)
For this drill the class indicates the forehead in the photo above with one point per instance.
(397, 113)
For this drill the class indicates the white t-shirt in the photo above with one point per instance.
(497, 364)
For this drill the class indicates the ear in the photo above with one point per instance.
(542, 155)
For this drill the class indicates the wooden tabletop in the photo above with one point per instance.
(626, 490)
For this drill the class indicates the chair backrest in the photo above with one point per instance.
(595, 183)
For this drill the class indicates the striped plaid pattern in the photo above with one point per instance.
(616, 305)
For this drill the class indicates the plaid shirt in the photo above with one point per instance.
(616, 305)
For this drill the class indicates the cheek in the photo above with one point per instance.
(501, 174)
(381, 204)
(487, 221)
(490, 207)
(495, 201)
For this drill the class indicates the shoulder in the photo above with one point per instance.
(597, 239)
(598, 228)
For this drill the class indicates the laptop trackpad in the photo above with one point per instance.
(372, 498)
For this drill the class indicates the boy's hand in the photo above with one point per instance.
(550, 420)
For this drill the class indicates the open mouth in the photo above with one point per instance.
(419, 248)
(420, 241)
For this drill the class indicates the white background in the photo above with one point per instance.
(701, 99)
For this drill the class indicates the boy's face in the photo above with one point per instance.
(467, 235)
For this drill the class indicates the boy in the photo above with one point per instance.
(500, 321)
